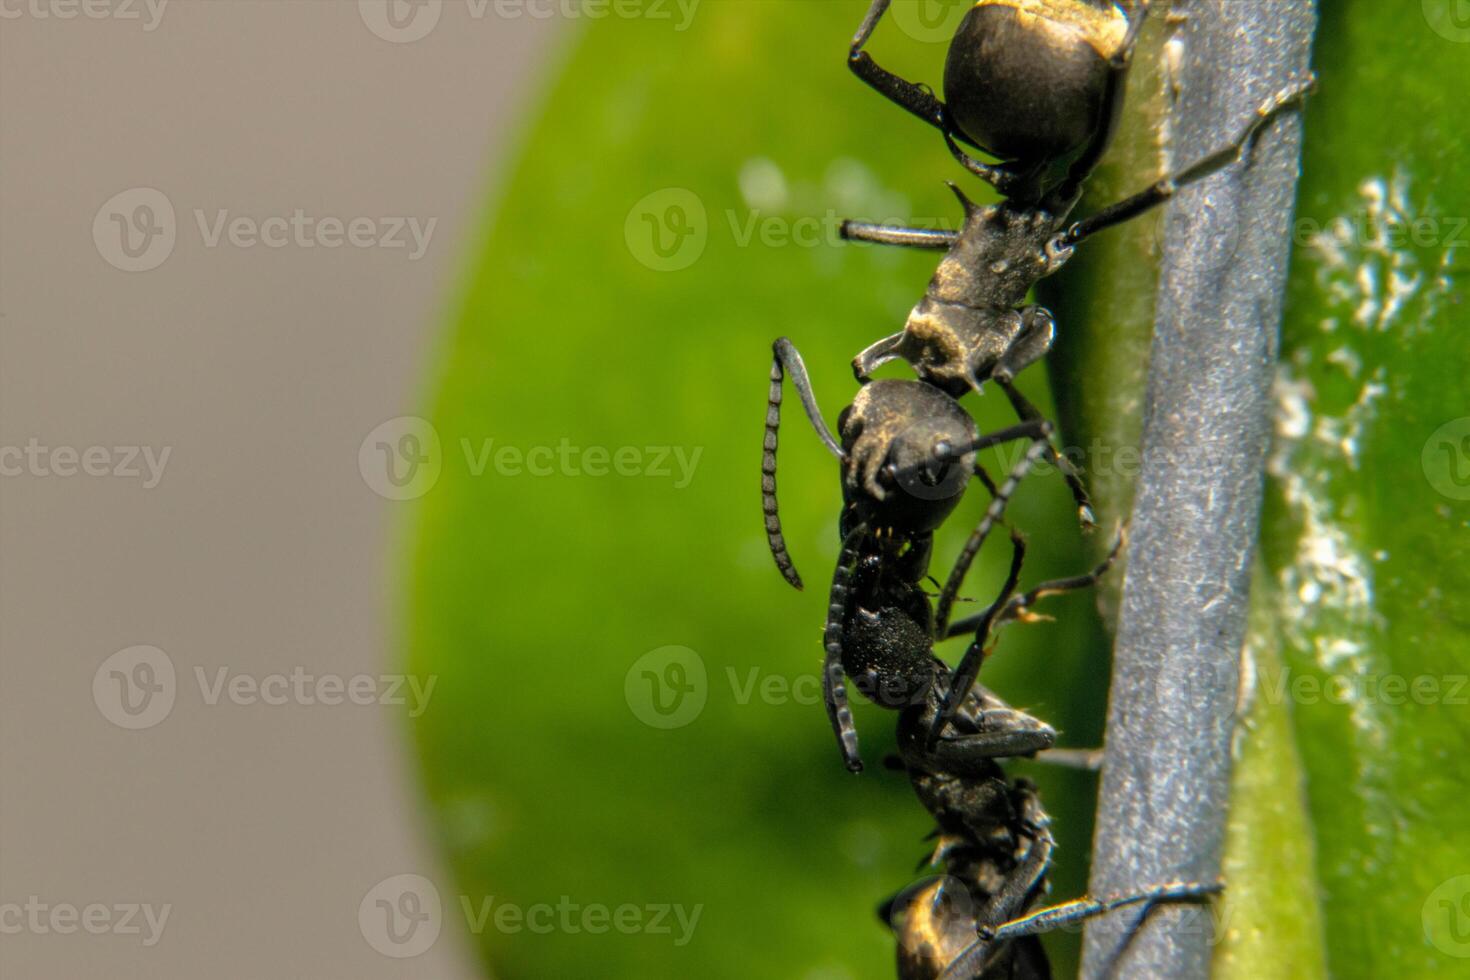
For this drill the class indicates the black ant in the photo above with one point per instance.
(1038, 84)
(994, 841)
(907, 455)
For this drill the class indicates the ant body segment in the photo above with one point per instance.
(907, 453)
(979, 920)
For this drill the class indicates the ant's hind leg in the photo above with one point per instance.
(1112, 102)
(1081, 909)
(1017, 891)
(1288, 98)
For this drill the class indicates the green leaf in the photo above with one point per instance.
(1347, 824)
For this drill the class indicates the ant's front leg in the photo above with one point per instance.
(1030, 345)
(917, 99)
(873, 357)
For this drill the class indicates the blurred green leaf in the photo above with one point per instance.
(534, 598)
(673, 210)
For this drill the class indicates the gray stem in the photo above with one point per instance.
(1197, 514)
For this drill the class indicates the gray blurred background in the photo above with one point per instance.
(259, 359)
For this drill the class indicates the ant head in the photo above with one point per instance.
(888, 655)
(908, 457)
(927, 460)
(1026, 80)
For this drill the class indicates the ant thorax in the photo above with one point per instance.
(1002, 252)
(969, 318)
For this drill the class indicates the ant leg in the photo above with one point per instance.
(1039, 434)
(1041, 325)
(1032, 343)
(1005, 181)
(1082, 909)
(1017, 891)
(873, 357)
(786, 359)
(1163, 190)
(917, 99)
(1089, 760)
(985, 480)
(834, 687)
(963, 679)
(1112, 102)
(970, 755)
(1020, 605)
(930, 238)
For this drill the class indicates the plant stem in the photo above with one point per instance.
(1196, 516)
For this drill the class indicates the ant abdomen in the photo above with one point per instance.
(887, 654)
(1025, 80)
